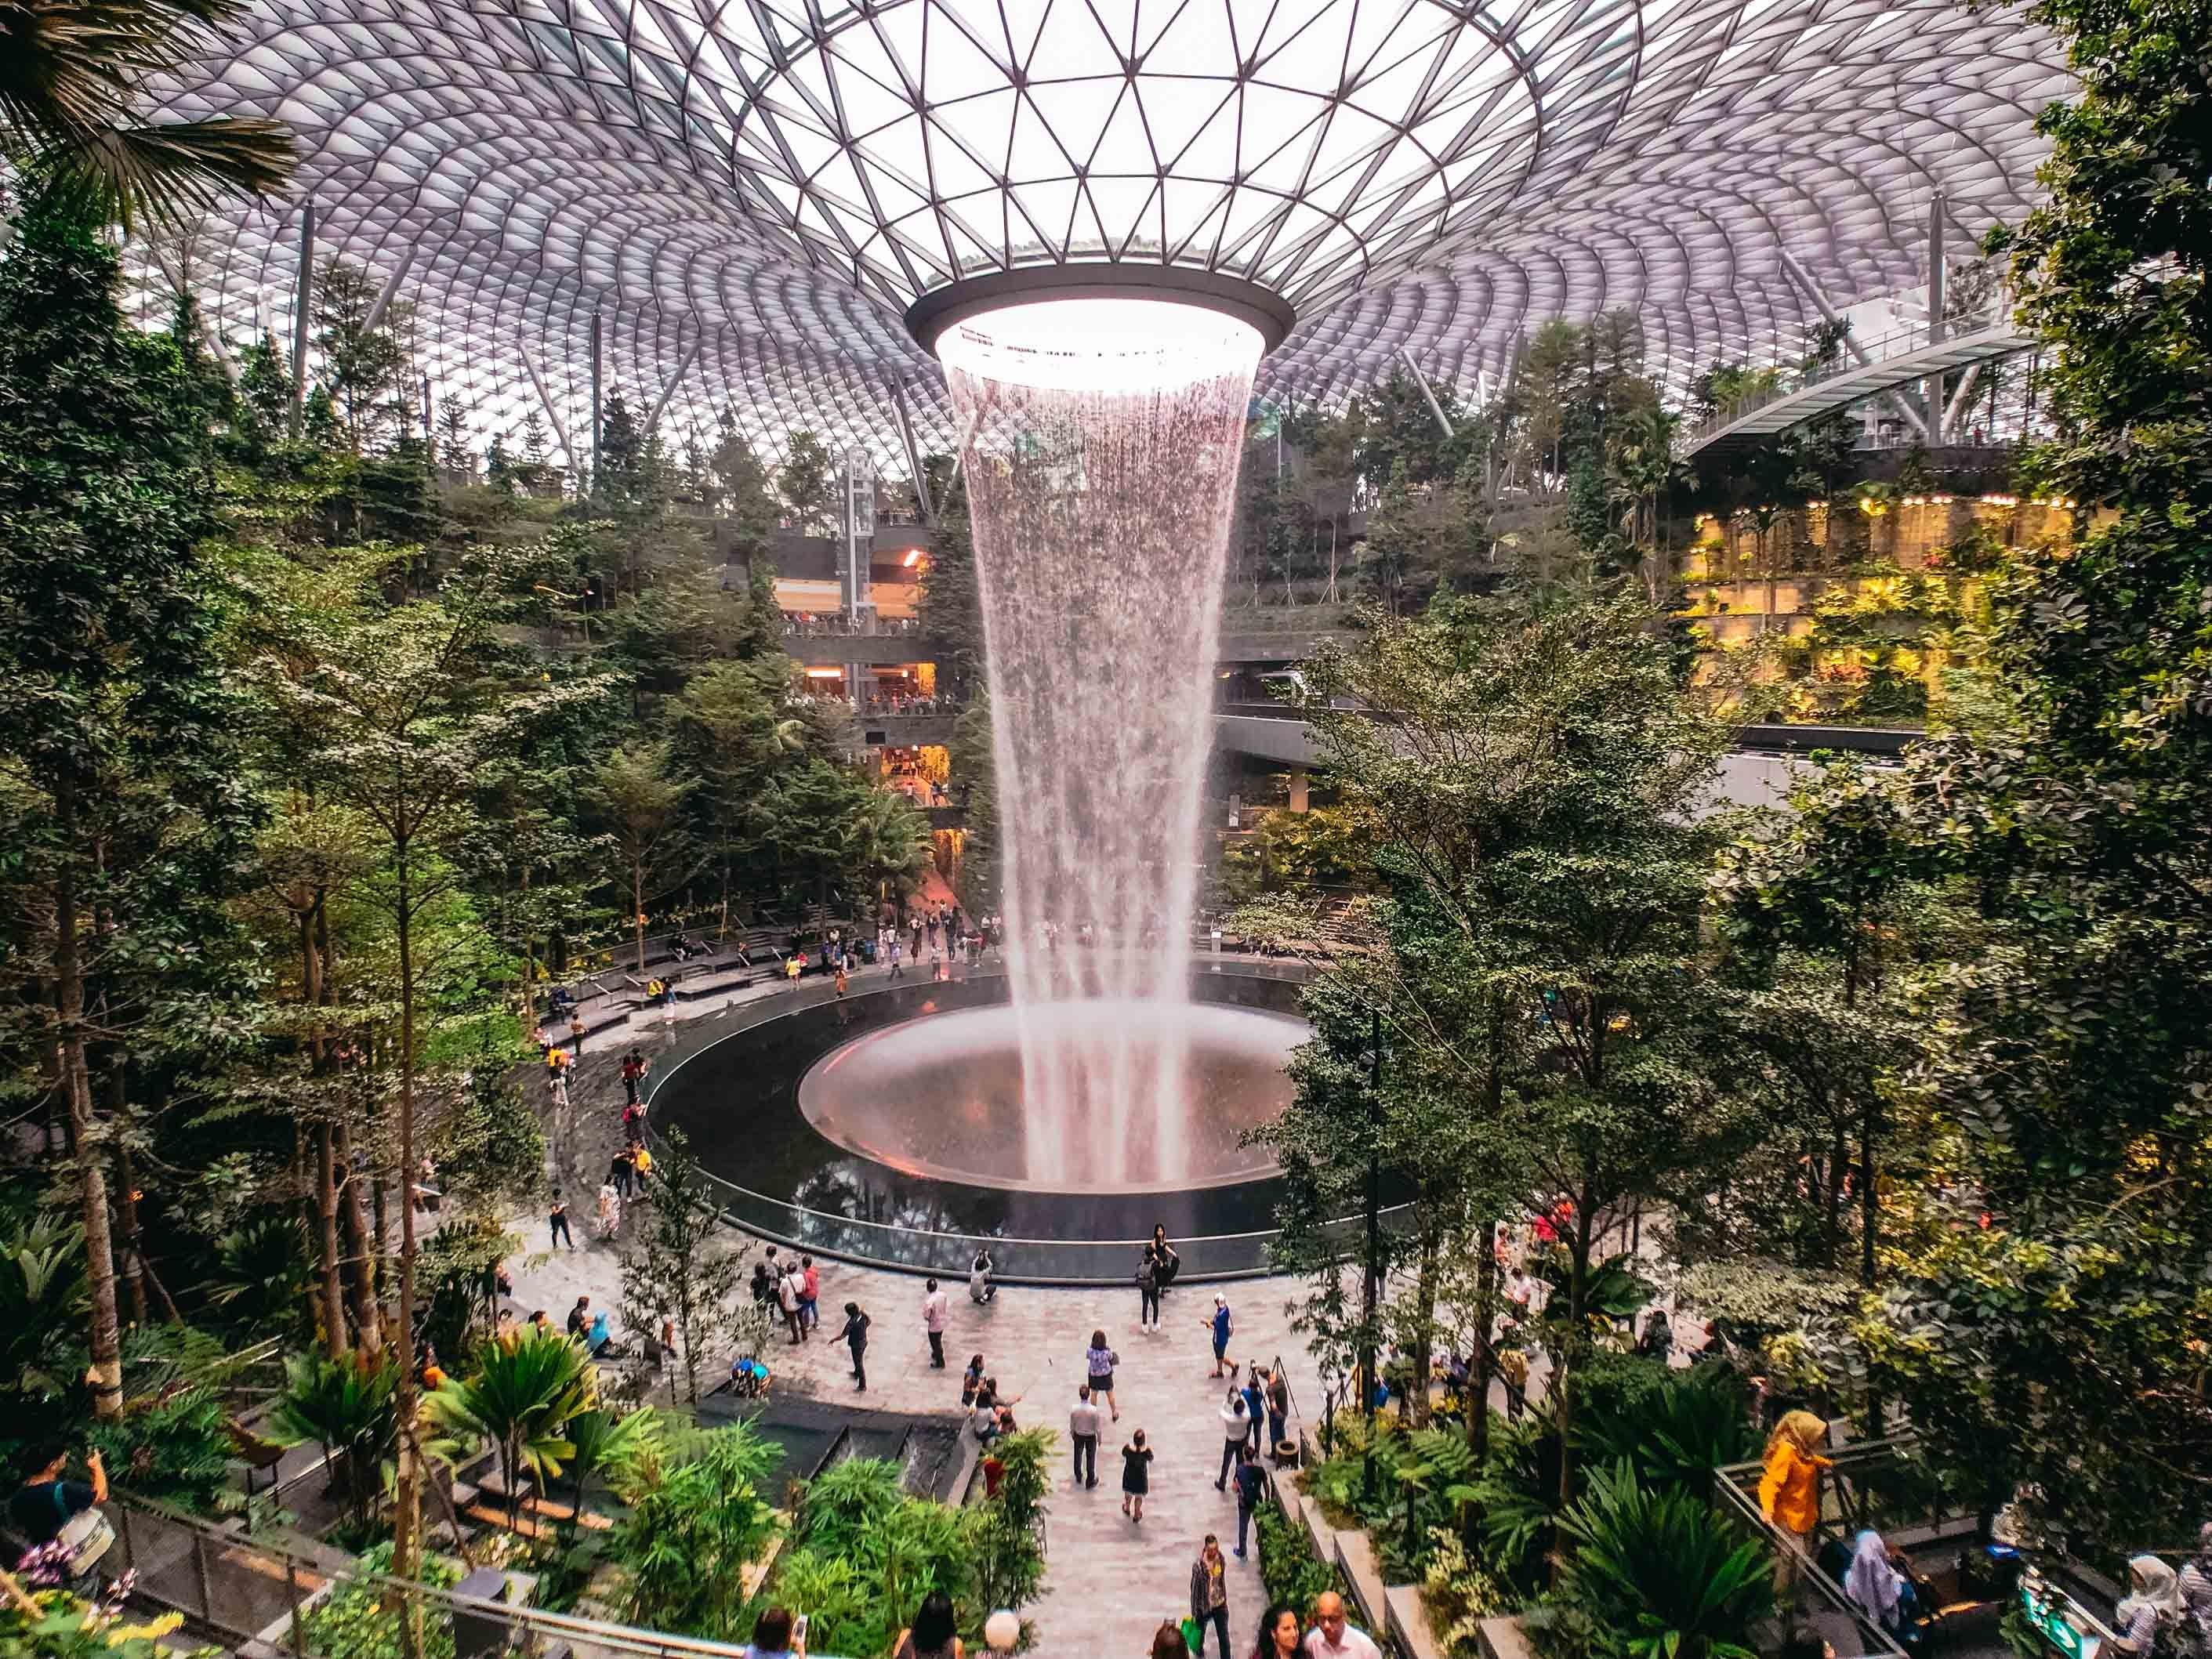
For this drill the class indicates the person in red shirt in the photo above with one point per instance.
(809, 1292)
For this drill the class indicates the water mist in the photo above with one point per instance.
(1100, 439)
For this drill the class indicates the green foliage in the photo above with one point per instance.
(1298, 853)
(347, 1406)
(1289, 1568)
(521, 1396)
(263, 1273)
(489, 1147)
(356, 1622)
(679, 1265)
(1679, 1435)
(1009, 1547)
(176, 1447)
(1458, 1594)
(700, 1512)
(1662, 1573)
(65, 1626)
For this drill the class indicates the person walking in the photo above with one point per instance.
(1100, 1360)
(1236, 1434)
(1148, 1293)
(1251, 1486)
(896, 953)
(576, 1034)
(932, 1635)
(1136, 1475)
(810, 1295)
(1331, 1637)
(932, 1322)
(1279, 1632)
(1790, 1489)
(633, 1073)
(1209, 1595)
(610, 1211)
(556, 1221)
(622, 1172)
(1083, 1430)
(1220, 1325)
(786, 1300)
(856, 1338)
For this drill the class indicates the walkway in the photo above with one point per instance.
(1108, 1583)
(1902, 360)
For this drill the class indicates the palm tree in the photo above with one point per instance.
(523, 1397)
(604, 1440)
(347, 1406)
(71, 72)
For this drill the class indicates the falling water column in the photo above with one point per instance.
(1100, 440)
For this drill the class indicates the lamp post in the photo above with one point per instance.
(1372, 1268)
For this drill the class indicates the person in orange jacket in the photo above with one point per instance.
(1790, 1485)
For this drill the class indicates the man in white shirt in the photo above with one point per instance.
(932, 1321)
(1331, 1637)
(1083, 1430)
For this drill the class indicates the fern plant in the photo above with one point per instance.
(346, 1406)
(1664, 1575)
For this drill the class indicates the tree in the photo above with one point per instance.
(748, 502)
(642, 805)
(119, 775)
(699, 1514)
(681, 1268)
(70, 85)
(521, 1396)
(2048, 1330)
(618, 470)
(1534, 962)
(807, 482)
(410, 712)
(363, 367)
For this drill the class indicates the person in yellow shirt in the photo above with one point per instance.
(644, 1162)
(1790, 1487)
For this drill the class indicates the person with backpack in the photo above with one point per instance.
(50, 1509)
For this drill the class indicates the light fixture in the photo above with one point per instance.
(1101, 344)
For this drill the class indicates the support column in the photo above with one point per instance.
(1811, 290)
(1937, 212)
(913, 454)
(552, 415)
(303, 300)
(390, 290)
(1427, 396)
(1297, 789)
(660, 405)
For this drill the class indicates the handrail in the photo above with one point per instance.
(290, 1565)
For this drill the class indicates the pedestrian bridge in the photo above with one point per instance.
(1888, 364)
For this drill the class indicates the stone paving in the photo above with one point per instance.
(1109, 1582)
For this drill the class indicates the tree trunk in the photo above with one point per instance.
(361, 1250)
(1425, 1327)
(126, 1199)
(407, 1505)
(637, 906)
(105, 1335)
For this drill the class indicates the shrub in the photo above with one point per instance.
(1288, 1565)
(177, 1448)
(1662, 1573)
(1458, 1594)
(355, 1623)
(699, 1514)
(347, 1406)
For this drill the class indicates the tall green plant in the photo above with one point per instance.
(1664, 1575)
(348, 1408)
(521, 1398)
(700, 1514)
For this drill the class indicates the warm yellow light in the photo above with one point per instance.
(913, 556)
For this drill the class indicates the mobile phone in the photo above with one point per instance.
(798, 1628)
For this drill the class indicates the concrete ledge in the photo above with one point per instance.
(1363, 1570)
(1503, 1638)
(1407, 1617)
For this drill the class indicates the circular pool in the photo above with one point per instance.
(890, 1128)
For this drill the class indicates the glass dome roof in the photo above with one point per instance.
(754, 191)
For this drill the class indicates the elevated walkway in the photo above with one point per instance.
(1895, 361)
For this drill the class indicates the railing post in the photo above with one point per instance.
(292, 1585)
(200, 1566)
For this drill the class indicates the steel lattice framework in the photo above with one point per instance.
(748, 193)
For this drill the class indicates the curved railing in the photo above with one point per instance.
(947, 1252)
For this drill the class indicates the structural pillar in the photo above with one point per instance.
(1297, 789)
(302, 308)
(1937, 210)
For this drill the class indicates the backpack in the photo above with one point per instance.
(85, 1535)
